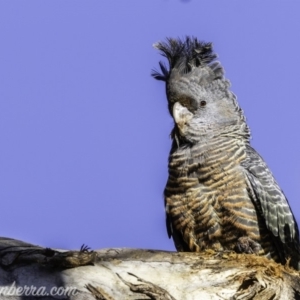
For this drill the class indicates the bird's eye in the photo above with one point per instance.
(202, 103)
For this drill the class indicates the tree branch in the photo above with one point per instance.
(112, 274)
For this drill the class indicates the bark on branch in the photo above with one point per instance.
(32, 272)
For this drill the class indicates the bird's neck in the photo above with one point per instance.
(209, 135)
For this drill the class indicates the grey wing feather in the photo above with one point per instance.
(269, 198)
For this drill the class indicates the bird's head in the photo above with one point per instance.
(199, 98)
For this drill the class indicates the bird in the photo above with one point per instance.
(220, 194)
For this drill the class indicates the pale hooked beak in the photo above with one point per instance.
(181, 115)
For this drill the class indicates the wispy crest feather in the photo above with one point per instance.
(184, 55)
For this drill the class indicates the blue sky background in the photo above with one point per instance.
(84, 129)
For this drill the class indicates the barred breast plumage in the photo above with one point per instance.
(220, 194)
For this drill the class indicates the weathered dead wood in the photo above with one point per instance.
(113, 274)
